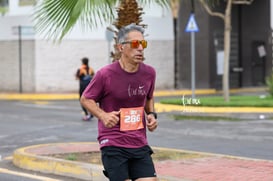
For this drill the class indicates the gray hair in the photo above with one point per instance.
(123, 32)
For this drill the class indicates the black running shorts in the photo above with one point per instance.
(127, 163)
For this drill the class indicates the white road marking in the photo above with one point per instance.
(2, 170)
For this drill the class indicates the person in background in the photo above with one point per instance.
(84, 74)
(121, 96)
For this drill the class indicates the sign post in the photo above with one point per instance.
(192, 28)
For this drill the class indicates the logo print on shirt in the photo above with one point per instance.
(104, 141)
(138, 91)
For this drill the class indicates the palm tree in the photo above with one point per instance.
(175, 5)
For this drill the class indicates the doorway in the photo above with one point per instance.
(258, 63)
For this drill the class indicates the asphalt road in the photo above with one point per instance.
(25, 123)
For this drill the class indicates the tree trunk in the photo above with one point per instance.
(175, 4)
(227, 34)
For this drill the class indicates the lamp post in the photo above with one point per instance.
(20, 58)
(20, 31)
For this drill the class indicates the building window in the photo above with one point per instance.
(27, 2)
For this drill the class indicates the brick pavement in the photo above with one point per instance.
(214, 168)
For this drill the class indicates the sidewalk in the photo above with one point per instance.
(191, 167)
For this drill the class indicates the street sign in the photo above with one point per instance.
(192, 25)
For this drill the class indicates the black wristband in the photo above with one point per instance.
(153, 113)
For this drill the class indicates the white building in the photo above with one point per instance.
(29, 63)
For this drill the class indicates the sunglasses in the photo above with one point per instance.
(136, 43)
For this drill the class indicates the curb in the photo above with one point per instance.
(38, 96)
(157, 93)
(159, 107)
(24, 159)
(45, 164)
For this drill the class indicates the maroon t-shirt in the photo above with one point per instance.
(113, 88)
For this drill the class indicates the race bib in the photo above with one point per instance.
(131, 118)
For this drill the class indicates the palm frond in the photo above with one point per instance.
(55, 18)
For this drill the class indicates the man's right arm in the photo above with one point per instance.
(92, 107)
(109, 119)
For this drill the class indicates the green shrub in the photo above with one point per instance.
(71, 157)
(269, 83)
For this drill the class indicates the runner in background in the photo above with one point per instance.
(84, 74)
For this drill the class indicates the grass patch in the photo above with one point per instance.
(160, 155)
(71, 157)
(204, 118)
(95, 157)
(218, 101)
(88, 157)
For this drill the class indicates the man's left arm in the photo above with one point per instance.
(151, 115)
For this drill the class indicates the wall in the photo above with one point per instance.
(10, 66)
(55, 67)
(258, 29)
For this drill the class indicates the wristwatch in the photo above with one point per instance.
(153, 113)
